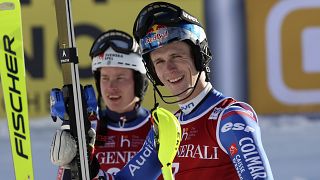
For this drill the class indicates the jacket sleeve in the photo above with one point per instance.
(238, 134)
(144, 165)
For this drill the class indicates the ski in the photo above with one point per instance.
(12, 70)
(72, 90)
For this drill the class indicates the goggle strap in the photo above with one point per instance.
(189, 18)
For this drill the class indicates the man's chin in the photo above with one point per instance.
(182, 93)
(114, 107)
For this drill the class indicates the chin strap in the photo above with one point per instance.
(164, 97)
(156, 104)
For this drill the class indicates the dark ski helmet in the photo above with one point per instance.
(116, 48)
(160, 23)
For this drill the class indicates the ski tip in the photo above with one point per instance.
(7, 6)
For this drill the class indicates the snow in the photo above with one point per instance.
(42, 131)
(291, 143)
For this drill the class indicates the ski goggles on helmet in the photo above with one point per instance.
(160, 13)
(159, 35)
(119, 41)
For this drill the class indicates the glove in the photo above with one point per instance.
(168, 131)
(64, 148)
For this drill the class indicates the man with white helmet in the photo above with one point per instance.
(123, 124)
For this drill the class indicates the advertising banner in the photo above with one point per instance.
(90, 19)
(283, 53)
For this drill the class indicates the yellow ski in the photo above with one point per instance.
(12, 70)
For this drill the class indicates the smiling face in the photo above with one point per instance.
(175, 68)
(117, 89)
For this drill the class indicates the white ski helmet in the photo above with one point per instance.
(116, 48)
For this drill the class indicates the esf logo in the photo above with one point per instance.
(293, 50)
(236, 127)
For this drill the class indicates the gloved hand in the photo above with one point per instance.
(64, 148)
(168, 131)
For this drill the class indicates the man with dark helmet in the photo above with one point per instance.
(221, 137)
(123, 124)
